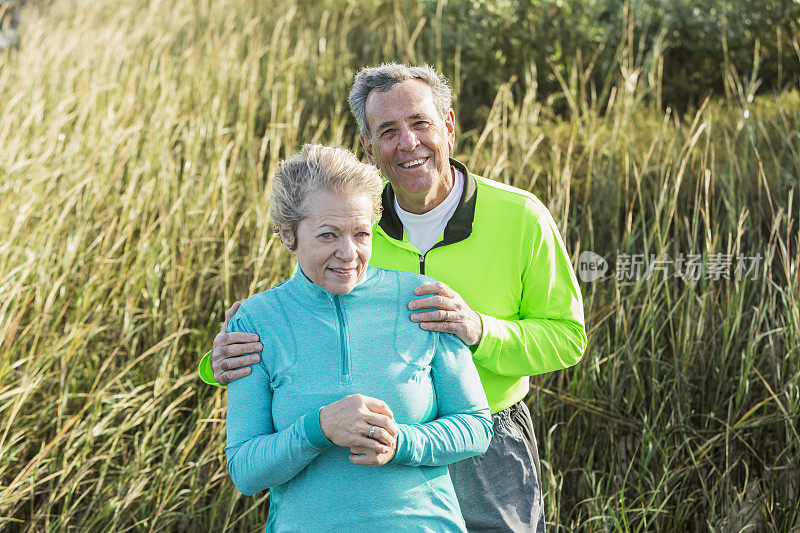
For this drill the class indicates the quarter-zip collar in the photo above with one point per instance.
(458, 228)
(307, 289)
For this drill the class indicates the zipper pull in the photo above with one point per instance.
(422, 264)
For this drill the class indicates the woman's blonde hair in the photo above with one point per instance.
(330, 169)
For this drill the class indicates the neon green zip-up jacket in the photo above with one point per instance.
(501, 251)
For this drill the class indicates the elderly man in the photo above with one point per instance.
(505, 284)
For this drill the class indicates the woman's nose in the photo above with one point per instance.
(347, 250)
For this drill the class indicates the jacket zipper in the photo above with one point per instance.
(423, 256)
(345, 351)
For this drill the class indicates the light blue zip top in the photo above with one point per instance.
(320, 347)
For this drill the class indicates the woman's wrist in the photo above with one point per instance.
(314, 433)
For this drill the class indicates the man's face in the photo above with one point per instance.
(411, 144)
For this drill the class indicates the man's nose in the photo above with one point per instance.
(408, 139)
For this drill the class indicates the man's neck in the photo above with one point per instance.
(431, 200)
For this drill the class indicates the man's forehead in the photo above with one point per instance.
(403, 101)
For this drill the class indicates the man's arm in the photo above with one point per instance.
(231, 356)
(549, 333)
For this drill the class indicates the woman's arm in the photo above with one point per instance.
(464, 425)
(258, 456)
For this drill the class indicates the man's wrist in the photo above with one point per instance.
(206, 372)
(479, 321)
(481, 350)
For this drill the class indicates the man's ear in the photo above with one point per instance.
(450, 124)
(287, 236)
(367, 144)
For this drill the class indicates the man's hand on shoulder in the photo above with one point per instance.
(233, 353)
(452, 314)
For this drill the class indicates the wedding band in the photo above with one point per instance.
(446, 316)
(371, 431)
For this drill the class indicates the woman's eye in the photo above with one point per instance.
(327, 235)
(363, 234)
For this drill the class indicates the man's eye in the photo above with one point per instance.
(387, 133)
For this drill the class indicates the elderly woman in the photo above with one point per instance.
(354, 412)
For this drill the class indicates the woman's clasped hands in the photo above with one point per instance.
(363, 424)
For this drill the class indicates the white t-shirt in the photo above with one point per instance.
(423, 230)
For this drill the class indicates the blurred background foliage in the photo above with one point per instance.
(137, 141)
(683, 47)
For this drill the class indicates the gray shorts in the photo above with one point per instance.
(499, 490)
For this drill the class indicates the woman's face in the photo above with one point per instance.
(334, 242)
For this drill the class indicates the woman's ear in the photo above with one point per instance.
(287, 236)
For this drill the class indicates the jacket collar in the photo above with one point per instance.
(308, 289)
(458, 228)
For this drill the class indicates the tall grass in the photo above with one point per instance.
(134, 143)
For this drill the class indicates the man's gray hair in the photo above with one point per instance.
(387, 76)
(330, 169)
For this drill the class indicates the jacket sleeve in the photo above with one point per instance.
(464, 425)
(258, 457)
(206, 372)
(550, 333)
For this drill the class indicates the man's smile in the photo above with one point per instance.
(414, 163)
